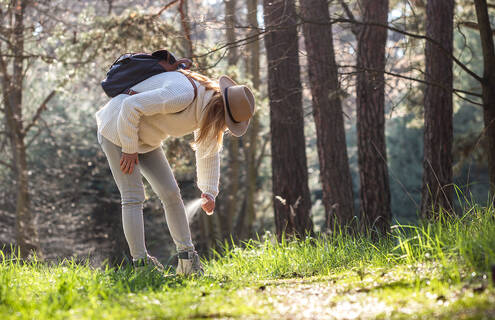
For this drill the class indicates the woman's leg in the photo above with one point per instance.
(132, 194)
(157, 171)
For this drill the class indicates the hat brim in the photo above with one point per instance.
(237, 129)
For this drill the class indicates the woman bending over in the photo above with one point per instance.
(131, 129)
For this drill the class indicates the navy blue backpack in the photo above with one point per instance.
(132, 68)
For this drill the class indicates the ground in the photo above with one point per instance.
(439, 270)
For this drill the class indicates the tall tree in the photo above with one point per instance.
(335, 174)
(372, 151)
(488, 83)
(186, 27)
(247, 216)
(234, 165)
(13, 60)
(253, 64)
(289, 166)
(438, 132)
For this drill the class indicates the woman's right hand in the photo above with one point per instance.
(208, 204)
(127, 162)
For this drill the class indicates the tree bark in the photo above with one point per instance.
(253, 64)
(26, 232)
(230, 22)
(372, 152)
(335, 174)
(438, 130)
(488, 85)
(234, 165)
(289, 166)
(186, 27)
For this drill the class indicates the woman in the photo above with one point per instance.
(131, 129)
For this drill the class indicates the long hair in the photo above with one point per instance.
(212, 125)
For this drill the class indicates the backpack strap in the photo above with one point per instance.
(194, 86)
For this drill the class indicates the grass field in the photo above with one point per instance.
(438, 270)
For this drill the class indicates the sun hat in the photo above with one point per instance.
(238, 101)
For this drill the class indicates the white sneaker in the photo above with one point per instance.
(189, 264)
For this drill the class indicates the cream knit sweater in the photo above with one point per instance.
(164, 107)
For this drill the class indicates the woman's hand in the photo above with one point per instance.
(127, 162)
(208, 203)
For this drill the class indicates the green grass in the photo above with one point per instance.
(440, 270)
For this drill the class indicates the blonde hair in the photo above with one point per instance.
(212, 125)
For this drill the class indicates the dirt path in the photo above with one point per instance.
(369, 298)
(320, 299)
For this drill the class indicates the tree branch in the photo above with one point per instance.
(165, 7)
(8, 165)
(240, 42)
(40, 109)
(350, 15)
(409, 34)
(468, 100)
(474, 26)
(29, 56)
(418, 36)
(455, 91)
(33, 138)
(397, 75)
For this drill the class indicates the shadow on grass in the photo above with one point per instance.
(153, 280)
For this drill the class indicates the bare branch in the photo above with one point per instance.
(40, 109)
(50, 133)
(165, 7)
(409, 34)
(350, 15)
(473, 25)
(33, 138)
(8, 165)
(397, 75)
(240, 42)
(4, 39)
(28, 56)
(468, 100)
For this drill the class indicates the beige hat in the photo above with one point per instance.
(238, 101)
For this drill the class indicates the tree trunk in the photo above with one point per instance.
(335, 174)
(372, 152)
(438, 131)
(230, 30)
(26, 237)
(186, 27)
(253, 64)
(234, 165)
(289, 167)
(234, 175)
(488, 85)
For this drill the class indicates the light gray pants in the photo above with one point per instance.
(156, 169)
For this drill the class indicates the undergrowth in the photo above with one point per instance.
(451, 243)
(443, 257)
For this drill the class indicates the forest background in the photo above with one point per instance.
(67, 46)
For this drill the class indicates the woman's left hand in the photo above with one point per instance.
(128, 161)
(208, 204)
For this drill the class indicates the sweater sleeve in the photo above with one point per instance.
(170, 99)
(208, 169)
